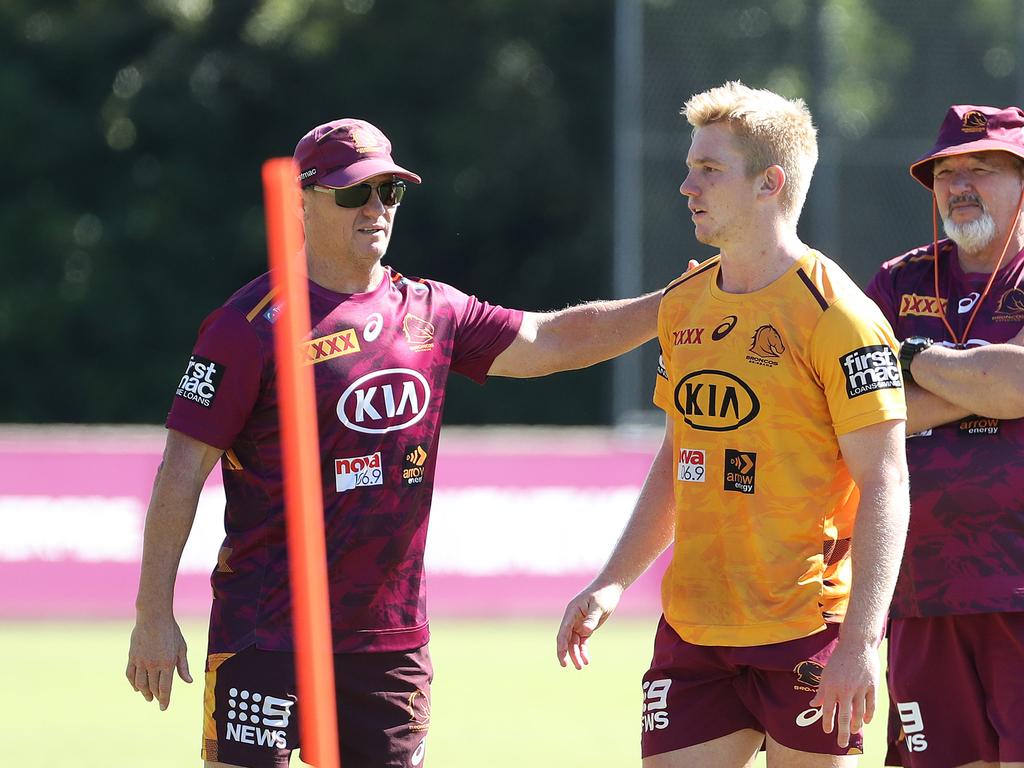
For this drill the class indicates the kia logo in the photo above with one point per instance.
(715, 401)
(384, 401)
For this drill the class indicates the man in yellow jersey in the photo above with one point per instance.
(784, 427)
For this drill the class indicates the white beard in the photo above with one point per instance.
(973, 236)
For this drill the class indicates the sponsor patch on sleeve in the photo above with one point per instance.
(870, 369)
(661, 367)
(200, 382)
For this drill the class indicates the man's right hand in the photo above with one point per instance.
(157, 648)
(584, 614)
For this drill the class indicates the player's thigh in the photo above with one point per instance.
(737, 750)
(782, 681)
(780, 756)
(250, 709)
(384, 708)
(690, 697)
(997, 645)
(938, 714)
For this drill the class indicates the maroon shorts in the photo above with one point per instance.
(251, 708)
(956, 687)
(694, 693)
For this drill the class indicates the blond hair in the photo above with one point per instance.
(771, 129)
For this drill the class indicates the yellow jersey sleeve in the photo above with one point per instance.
(663, 378)
(854, 353)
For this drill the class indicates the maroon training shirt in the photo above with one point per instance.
(381, 361)
(965, 550)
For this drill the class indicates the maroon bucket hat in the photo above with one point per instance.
(345, 152)
(967, 128)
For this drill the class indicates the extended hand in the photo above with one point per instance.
(847, 690)
(156, 649)
(584, 614)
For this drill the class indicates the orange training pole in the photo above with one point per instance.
(303, 491)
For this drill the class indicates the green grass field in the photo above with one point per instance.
(499, 699)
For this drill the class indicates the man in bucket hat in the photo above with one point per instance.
(956, 643)
(382, 347)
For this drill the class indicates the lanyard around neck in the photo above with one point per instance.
(991, 278)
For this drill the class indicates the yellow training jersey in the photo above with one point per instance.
(758, 386)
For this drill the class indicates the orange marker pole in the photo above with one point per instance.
(303, 491)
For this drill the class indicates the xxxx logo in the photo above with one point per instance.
(925, 306)
(329, 347)
(687, 336)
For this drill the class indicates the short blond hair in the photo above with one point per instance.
(772, 130)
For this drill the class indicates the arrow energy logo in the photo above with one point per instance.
(740, 469)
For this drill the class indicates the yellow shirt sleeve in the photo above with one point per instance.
(854, 353)
(663, 395)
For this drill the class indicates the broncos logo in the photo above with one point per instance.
(419, 711)
(418, 331)
(767, 342)
(974, 122)
(808, 673)
(1011, 302)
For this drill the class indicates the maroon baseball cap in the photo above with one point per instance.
(345, 152)
(967, 128)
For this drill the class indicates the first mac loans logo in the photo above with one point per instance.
(870, 369)
(199, 384)
(256, 719)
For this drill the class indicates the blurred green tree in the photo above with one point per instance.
(135, 134)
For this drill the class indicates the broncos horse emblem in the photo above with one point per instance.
(767, 342)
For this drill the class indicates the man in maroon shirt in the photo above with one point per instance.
(382, 346)
(956, 644)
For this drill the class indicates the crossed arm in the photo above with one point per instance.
(578, 336)
(157, 646)
(953, 383)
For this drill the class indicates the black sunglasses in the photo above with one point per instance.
(389, 192)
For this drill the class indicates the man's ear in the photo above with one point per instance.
(772, 180)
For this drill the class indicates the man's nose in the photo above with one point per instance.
(960, 182)
(374, 205)
(687, 188)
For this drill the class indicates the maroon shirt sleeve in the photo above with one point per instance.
(881, 290)
(482, 332)
(220, 384)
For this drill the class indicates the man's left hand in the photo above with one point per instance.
(846, 694)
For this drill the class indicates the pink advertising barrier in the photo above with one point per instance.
(535, 512)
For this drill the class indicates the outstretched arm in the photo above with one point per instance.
(157, 646)
(876, 458)
(647, 534)
(579, 336)
(987, 381)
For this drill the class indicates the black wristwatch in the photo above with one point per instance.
(910, 348)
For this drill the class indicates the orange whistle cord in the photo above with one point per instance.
(303, 490)
(960, 342)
